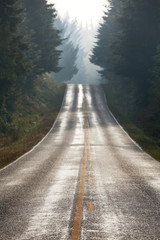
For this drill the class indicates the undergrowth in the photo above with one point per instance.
(33, 117)
(136, 129)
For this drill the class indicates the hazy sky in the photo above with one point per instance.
(85, 11)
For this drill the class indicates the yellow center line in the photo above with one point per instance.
(89, 165)
(79, 213)
(78, 217)
(90, 180)
(90, 207)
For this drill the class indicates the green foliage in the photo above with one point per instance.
(127, 50)
(32, 119)
(28, 46)
(13, 62)
(149, 142)
(43, 38)
(40, 18)
(47, 98)
(28, 50)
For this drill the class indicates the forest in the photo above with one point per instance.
(35, 45)
(33, 53)
(127, 49)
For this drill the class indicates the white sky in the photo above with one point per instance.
(85, 11)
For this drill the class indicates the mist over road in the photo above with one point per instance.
(86, 180)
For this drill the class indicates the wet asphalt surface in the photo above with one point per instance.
(86, 180)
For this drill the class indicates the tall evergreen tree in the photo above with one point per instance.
(153, 115)
(137, 42)
(127, 40)
(108, 29)
(13, 62)
(126, 50)
(44, 36)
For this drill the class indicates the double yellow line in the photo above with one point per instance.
(87, 156)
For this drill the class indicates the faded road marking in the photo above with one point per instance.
(89, 165)
(90, 180)
(90, 207)
(78, 218)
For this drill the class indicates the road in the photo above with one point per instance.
(85, 180)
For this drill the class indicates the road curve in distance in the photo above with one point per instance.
(86, 180)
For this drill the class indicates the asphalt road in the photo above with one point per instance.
(86, 180)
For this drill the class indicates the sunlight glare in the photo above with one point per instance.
(85, 11)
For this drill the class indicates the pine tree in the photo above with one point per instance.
(137, 43)
(153, 115)
(127, 48)
(45, 38)
(13, 62)
(108, 29)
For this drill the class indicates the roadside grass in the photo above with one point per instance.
(31, 121)
(11, 150)
(148, 143)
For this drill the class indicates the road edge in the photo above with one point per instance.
(139, 147)
(35, 146)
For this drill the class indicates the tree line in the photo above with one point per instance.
(70, 49)
(29, 47)
(128, 51)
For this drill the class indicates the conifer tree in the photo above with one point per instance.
(45, 38)
(108, 29)
(136, 44)
(127, 49)
(13, 62)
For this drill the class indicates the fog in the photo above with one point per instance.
(88, 72)
(87, 22)
(83, 36)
